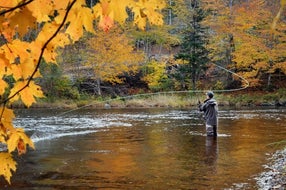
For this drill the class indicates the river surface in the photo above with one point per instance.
(145, 149)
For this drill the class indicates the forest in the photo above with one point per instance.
(185, 53)
(77, 48)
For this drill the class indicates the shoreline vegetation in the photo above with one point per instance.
(167, 100)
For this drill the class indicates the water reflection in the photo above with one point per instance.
(146, 149)
(211, 151)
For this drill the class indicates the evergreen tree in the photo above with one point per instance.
(193, 50)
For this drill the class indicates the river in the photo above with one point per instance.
(145, 149)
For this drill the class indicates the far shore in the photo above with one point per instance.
(163, 101)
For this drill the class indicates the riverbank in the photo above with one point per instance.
(274, 176)
(169, 100)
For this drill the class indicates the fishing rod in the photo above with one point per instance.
(167, 92)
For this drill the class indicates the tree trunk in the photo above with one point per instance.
(98, 87)
(170, 13)
(194, 76)
(193, 84)
(269, 80)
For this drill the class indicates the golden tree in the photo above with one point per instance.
(155, 74)
(112, 54)
(248, 38)
(57, 23)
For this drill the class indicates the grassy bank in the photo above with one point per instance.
(175, 100)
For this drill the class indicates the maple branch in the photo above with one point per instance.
(42, 53)
(21, 4)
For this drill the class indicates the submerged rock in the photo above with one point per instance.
(275, 175)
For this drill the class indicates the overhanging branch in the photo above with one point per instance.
(40, 56)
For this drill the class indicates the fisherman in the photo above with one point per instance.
(210, 109)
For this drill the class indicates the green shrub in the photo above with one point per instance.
(271, 97)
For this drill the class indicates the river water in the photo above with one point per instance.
(145, 149)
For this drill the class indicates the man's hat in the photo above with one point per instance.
(210, 94)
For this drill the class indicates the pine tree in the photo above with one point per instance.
(193, 50)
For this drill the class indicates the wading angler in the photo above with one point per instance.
(210, 109)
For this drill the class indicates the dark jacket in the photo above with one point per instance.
(210, 109)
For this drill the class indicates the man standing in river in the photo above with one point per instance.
(210, 109)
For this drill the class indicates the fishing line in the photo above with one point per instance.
(166, 92)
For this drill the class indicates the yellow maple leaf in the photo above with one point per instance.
(7, 165)
(47, 31)
(23, 70)
(4, 63)
(7, 119)
(118, 8)
(2, 138)
(28, 67)
(17, 22)
(148, 9)
(26, 94)
(9, 4)
(15, 49)
(18, 139)
(50, 52)
(80, 17)
(15, 71)
(3, 86)
(108, 11)
(3, 134)
(60, 4)
(41, 9)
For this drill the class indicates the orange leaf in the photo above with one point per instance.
(18, 139)
(21, 147)
(7, 31)
(105, 23)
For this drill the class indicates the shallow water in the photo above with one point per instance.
(145, 149)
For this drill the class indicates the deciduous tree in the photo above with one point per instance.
(112, 55)
(258, 47)
(248, 38)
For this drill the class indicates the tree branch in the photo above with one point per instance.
(41, 54)
(21, 4)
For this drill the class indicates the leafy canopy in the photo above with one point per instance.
(111, 55)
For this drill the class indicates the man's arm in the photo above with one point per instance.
(201, 106)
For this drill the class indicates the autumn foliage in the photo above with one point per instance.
(111, 55)
(247, 37)
(56, 23)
